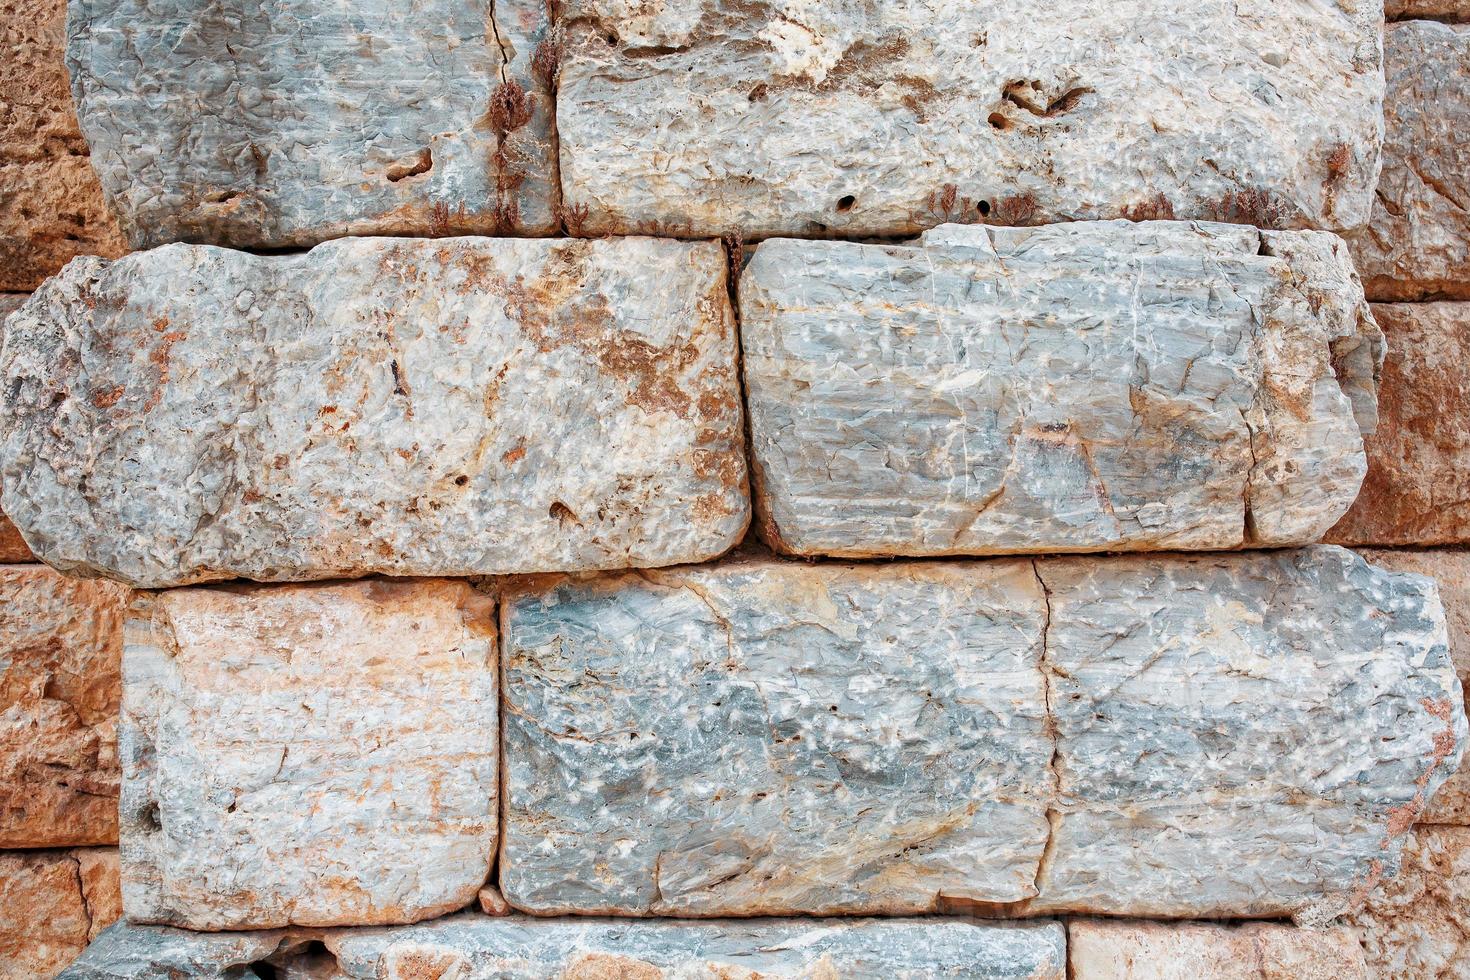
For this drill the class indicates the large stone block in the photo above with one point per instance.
(52, 904)
(1418, 244)
(60, 645)
(763, 737)
(1414, 925)
(472, 947)
(699, 117)
(288, 122)
(51, 208)
(1086, 387)
(1122, 950)
(1417, 491)
(314, 755)
(395, 406)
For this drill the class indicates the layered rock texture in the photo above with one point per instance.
(761, 738)
(52, 904)
(409, 407)
(1417, 491)
(706, 116)
(1121, 950)
(1415, 926)
(1418, 244)
(1098, 386)
(60, 645)
(288, 122)
(314, 755)
(51, 208)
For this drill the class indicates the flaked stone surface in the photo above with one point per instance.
(52, 903)
(763, 738)
(1415, 925)
(474, 947)
(52, 207)
(1417, 491)
(700, 117)
(1124, 950)
(312, 755)
(288, 122)
(60, 645)
(395, 406)
(1417, 245)
(1450, 570)
(1084, 387)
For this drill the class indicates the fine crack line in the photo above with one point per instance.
(1053, 814)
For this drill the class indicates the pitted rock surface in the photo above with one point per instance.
(1414, 925)
(52, 904)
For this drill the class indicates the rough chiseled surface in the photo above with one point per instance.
(1417, 491)
(472, 947)
(52, 903)
(789, 118)
(406, 407)
(763, 738)
(1415, 926)
(288, 122)
(51, 206)
(1417, 245)
(60, 645)
(314, 755)
(1450, 570)
(1083, 387)
(1123, 950)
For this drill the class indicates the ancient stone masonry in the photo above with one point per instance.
(1072, 388)
(52, 904)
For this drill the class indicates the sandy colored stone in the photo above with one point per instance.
(492, 902)
(1417, 491)
(289, 122)
(60, 645)
(52, 903)
(699, 117)
(397, 406)
(52, 207)
(765, 737)
(1099, 949)
(313, 755)
(1078, 387)
(1418, 244)
(1416, 925)
(1456, 10)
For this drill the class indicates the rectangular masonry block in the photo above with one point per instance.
(394, 406)
(474, 947)
(764, 738)
(313, 755)
(1417, 489)
(1417, 245)
(1414, 925)
(702, 117)
(60, 645)
(1085, 387)
(1121, 950)
(289, 122)
(52, 904)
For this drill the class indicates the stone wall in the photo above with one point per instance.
(796, 491)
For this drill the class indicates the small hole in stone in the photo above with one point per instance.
(611, 39)
(983, 207)
(562, 512)
(999, 121)
(263, 970)
(846, 202)
(151, 818)
(461, 480)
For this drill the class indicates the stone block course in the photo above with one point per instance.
(1083, 387)
(52, 904)
(763, 738)
(396, 406)
(312, 755)
(1122, 950)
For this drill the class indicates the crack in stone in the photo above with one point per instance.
(1053, 814)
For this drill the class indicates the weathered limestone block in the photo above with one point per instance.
(52, 903)
(12, 545)
(1414, 925)
(1417, 491)
(395, 406)
(1123, 950)
(288, 122)
(60, 645)
(51, 206)
(763, 737)
(1451, 573)
(473, 947)
(1085, 387)
(1418, 243)
(313, 755)
(698, 117)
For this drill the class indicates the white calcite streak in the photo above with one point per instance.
(1086, 387)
